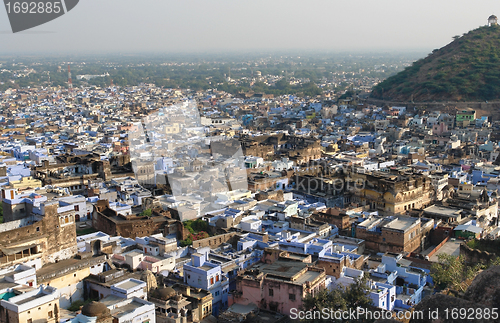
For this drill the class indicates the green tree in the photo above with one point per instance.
(453, 272)
(147, 213)
(347, 299)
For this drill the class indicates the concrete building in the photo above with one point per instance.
(394, 234)
(38, 305)
(200, 273)
(279, 286)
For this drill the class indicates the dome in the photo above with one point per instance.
(492, 17)
(94, 309)
(166, 293)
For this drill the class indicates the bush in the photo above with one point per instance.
(196, 226)
(75, 306)
(147, 213)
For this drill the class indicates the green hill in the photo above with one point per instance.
(467, 69)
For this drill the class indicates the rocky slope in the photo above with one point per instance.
(467, 69)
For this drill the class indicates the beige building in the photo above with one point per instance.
(67, 277)
(36, 306)
(172, 128)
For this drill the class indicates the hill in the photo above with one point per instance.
(467, 69)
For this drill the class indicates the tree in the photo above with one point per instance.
(453, 272)
(347, 299)
(147, 213)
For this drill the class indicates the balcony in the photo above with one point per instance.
(20, 254)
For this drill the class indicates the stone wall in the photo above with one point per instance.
(108, 221)
(214, 242)
(56, 241)
(475, 255)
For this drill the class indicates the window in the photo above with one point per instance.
(37, 229)
(211, 281)
(217, 278)
(271, 292)
(49, 314)
(291, 297)
(77, 208)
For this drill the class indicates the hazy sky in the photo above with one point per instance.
(100, 26)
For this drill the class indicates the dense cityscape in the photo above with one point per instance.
(252, 188)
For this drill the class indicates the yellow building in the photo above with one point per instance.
(25, 182)
(172, 128)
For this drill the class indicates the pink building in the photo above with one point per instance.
(439, 129)
(279, 286)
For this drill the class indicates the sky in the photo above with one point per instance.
(198, 26)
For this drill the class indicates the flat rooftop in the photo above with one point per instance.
(122, 310)
(449, 248)
(369, 222)
(6, 285)
(443, 211)
(28, 299)
(133, 253)
(308, 276)
(401, 223)
(283, 269)
(128, 284)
